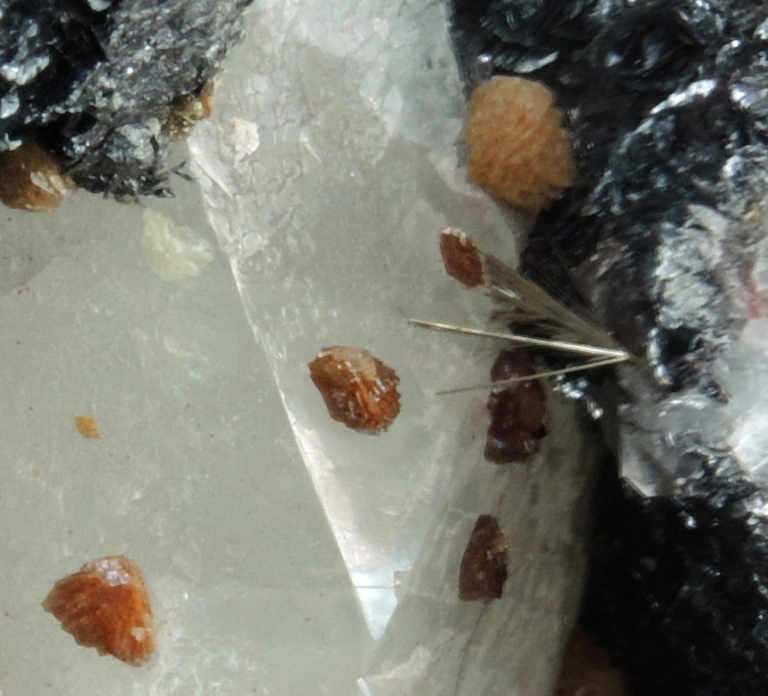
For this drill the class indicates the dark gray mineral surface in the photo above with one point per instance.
(664, 236)
(93, 80)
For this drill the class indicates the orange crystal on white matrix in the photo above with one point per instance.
(359, 390)
(105, 606)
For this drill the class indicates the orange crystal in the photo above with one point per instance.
(87, 427)
(105, 606)
(359, 390)
(518, 149)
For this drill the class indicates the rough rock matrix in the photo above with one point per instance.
(93, 82)
(665, 236)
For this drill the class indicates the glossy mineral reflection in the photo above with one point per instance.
(105, 606)
(95, 80)
(668, 106)
(359, 390)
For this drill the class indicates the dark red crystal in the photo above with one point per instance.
(461, 257)
(483, 569)
(517, 411)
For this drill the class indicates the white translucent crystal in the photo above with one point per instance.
(330, 219)
(743, 372)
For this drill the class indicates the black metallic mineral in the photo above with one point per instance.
(667, 101)
(93, 80)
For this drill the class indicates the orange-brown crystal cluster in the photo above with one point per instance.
(105, 606)
(461, 257)
(518, 149)
(359, 390)
(32, 179)
(587, 670)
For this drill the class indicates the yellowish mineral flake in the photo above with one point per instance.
(173, 252)
(87, 427)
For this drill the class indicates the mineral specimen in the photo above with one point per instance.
(483, 570)
(359, 390)
(664, 235)
(105, 606)
(32, 179)
(93, 82)
(328, 226)
(87, 427)
(187, 110)
(517, 411)
(518, 149)
(461, 258)
(173, 251)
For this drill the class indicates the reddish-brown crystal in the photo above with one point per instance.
(518, 411)
(359, 390)
(32, 179)
(518, 149)
(461, 257)
(105, 606)
(587, 670)
(483, 569)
